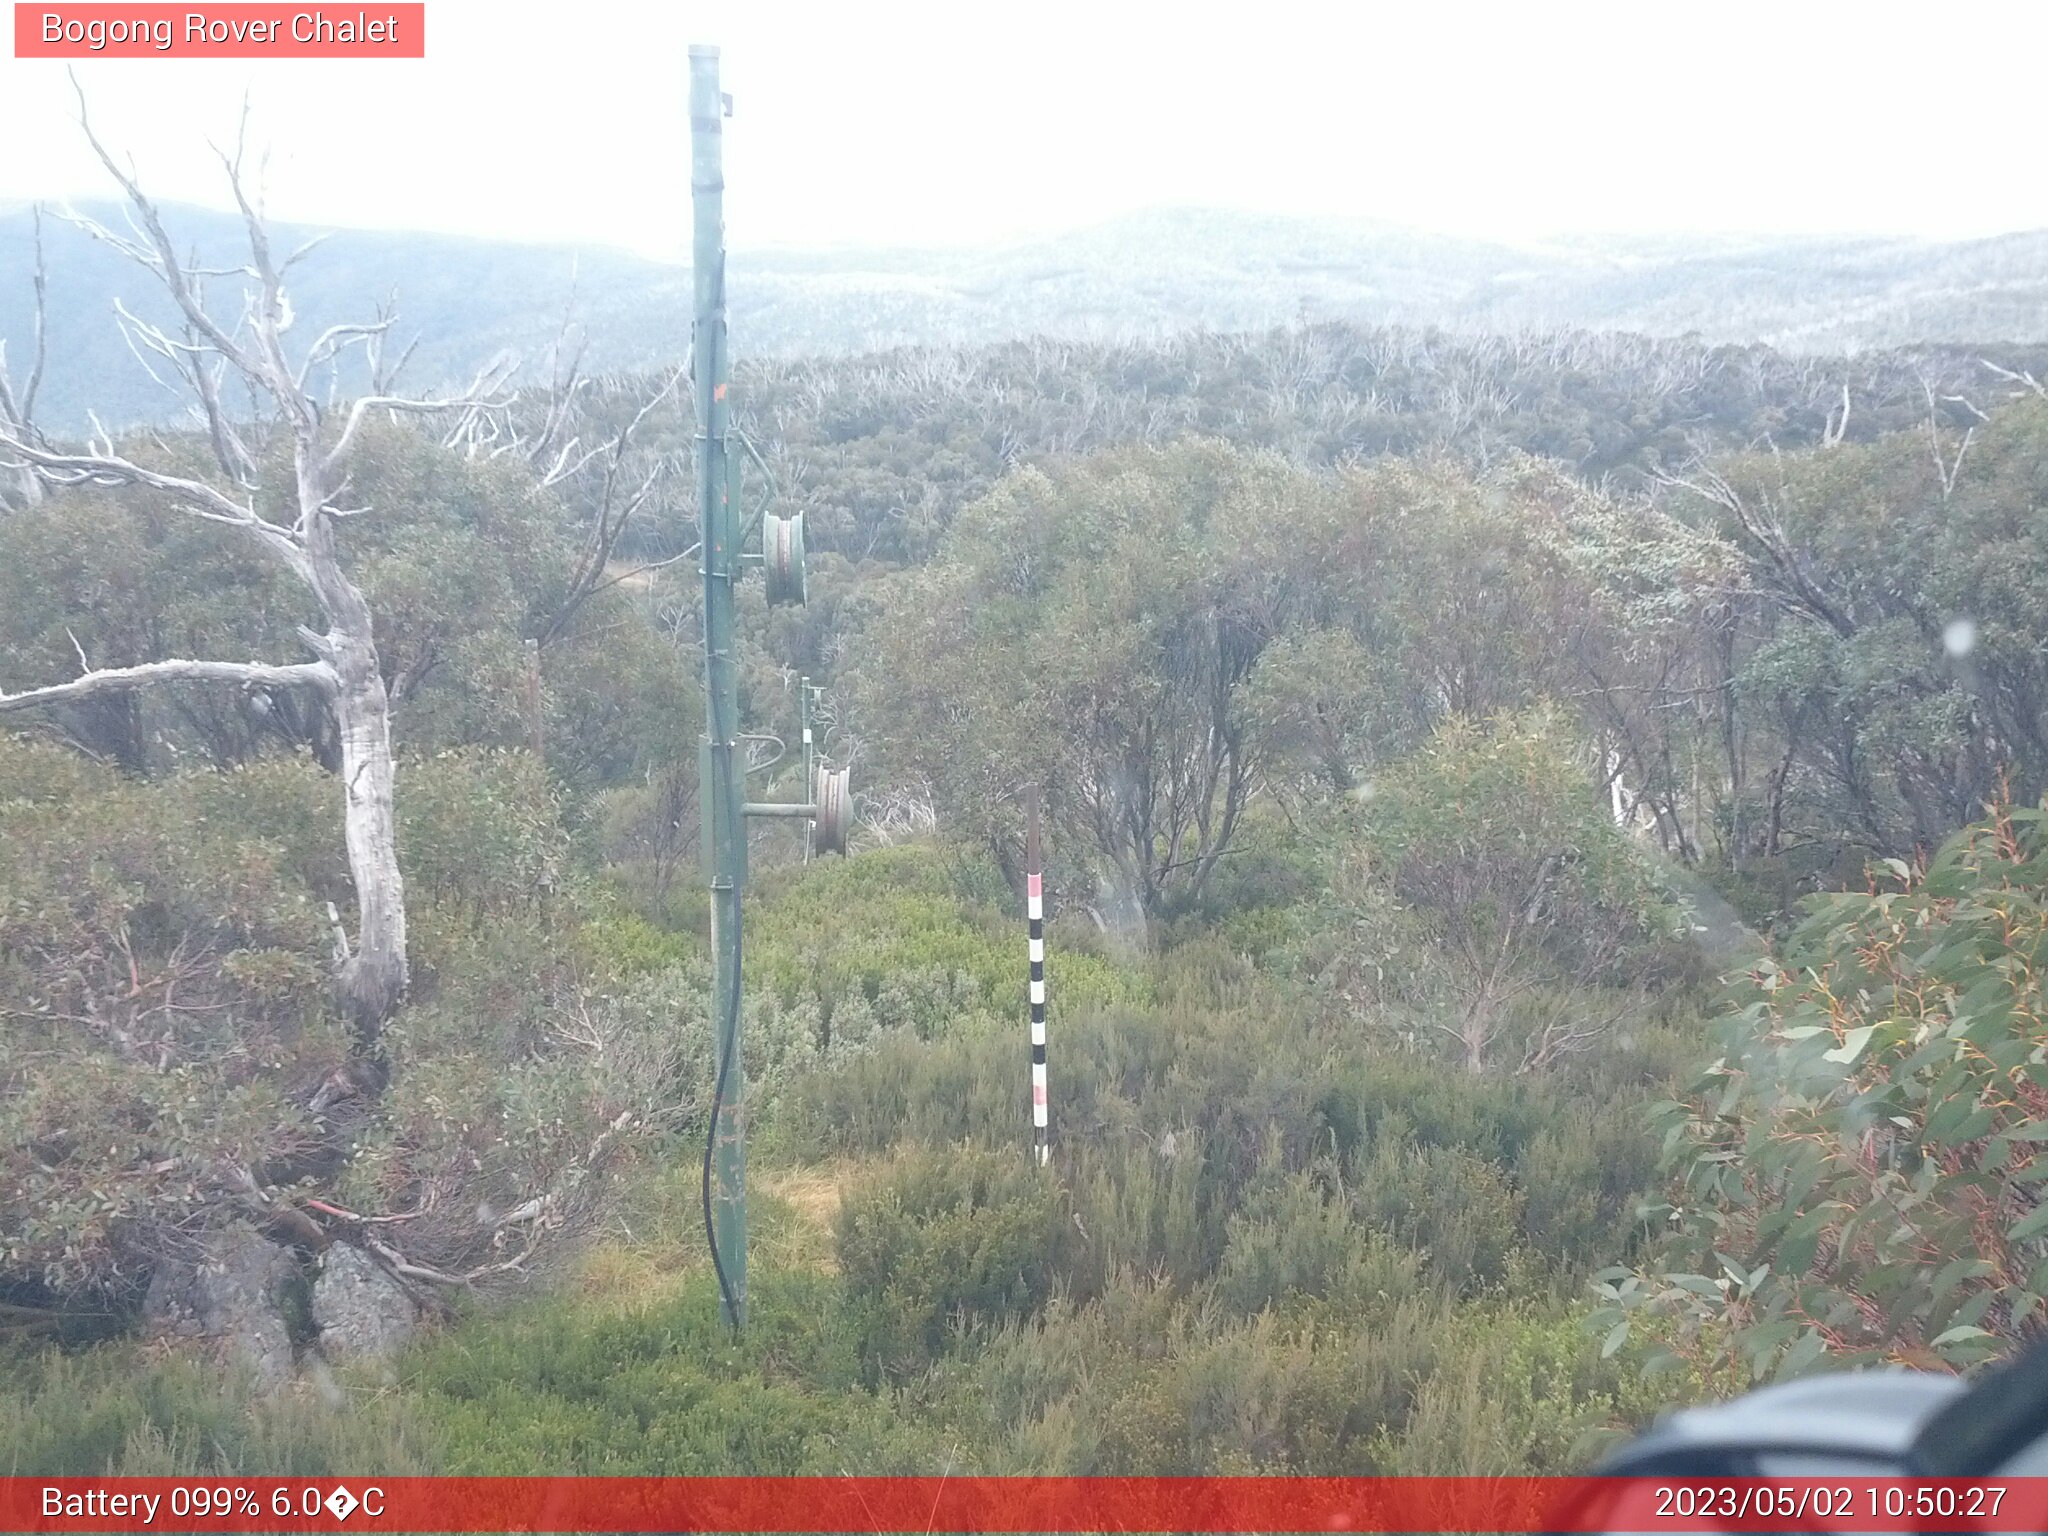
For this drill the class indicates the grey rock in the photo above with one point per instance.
(228, 1294)
(361, 1311)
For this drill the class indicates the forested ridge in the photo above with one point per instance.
(1147, 276)
(1427, 724)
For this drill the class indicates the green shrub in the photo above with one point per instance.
(947, 1244)
(1300, 1242)
(665, 1390)
(1460, 1210)
(1515, 1393)
(117, 1410)
(1145, 1381)
(893, 921)
(161, 983)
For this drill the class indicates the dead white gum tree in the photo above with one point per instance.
(296, 529)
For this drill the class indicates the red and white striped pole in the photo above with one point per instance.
(1034, 912)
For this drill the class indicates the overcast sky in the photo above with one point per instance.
(964, 123)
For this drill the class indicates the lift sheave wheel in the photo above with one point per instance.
(782, 558)
(835, 809)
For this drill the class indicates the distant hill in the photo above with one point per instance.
(1144, 275)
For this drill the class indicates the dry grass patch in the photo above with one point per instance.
(657, 1241)
(810, 1197)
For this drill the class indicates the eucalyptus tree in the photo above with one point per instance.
(1097, 629)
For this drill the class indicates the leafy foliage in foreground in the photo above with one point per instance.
(1860, 1172)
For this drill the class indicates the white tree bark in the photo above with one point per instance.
(119, 679)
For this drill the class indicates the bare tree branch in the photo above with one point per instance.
(483, 393)
(1764, 531)
(2025, 380)
(160, 256)
(337, 339)
(1946, 469)
(200, 499)
(315, 674)
(614, 510)
(18, 412)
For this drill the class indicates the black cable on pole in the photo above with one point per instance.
(728, 1031)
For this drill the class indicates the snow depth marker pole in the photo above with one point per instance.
(1034, 912)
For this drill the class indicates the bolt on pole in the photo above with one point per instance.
(724, 830)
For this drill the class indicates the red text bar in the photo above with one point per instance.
(1020, 1504)
(59, 31)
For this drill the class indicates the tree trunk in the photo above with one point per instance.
(372, 980)
(1475, 1030)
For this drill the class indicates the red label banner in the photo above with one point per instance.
(102, 31)
(1020, 1504)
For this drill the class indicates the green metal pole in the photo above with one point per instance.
(724, 826)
